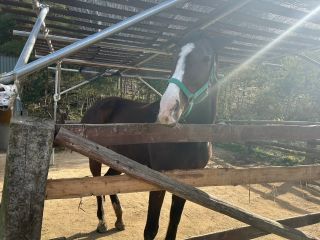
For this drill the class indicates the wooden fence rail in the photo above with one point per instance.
(245, 233)
(123, 164)
(120, 134)
(81, 187)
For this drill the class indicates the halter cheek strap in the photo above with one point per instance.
(199, 95)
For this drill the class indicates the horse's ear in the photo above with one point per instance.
(219, 42)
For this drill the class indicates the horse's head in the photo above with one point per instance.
(7, 95)
(192, 76)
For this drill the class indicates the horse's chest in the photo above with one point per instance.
(178, 156)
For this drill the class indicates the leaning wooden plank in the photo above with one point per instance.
(126, 165)
(26, 172)
(245, 233)
(119, 134)
(107, 185)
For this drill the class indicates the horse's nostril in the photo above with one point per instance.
(2, 89)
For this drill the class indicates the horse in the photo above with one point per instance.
(190, 97)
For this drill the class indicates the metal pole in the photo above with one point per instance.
(37, 6)
(102, 44)
(96, 72)
(28, 47)
(101, 64)
(85, 82)
(25, 55)
(56, 96)
(86, 42)
(152, 88)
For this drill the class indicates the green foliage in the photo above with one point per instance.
(274, 93)
(245, 155)
(8, 45)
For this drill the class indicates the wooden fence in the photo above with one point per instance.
(28, 189)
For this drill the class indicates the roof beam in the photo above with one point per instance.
(86, 42)
(101, 44)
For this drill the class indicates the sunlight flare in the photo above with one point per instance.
(269, 46)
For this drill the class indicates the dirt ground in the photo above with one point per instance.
(68, 219)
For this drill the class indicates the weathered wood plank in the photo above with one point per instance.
(255, 122)
(300, 149)
(118, 134)
(123, 164)
(107, 185)
(27, 164)
(245, 233)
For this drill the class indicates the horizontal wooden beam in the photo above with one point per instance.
(130, 167)
(82, 187)
(246, 233)
(118, 134)
(276, 122)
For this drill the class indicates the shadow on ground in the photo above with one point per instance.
(88, 236)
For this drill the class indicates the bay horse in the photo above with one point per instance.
(190, 97)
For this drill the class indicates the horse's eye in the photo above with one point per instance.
(2, 89)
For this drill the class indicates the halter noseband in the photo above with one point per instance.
(199, 95)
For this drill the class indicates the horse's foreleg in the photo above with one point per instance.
(116, 203)
(155, 204)
(95, 168)
(175, 216)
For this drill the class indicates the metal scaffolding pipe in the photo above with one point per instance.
(113, 65)
(56, 96)
(102, 44)
(85, 82)
(28, 47)
(86, 42)
(96, 72)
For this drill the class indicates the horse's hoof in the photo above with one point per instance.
(102, 228)
(119, 225)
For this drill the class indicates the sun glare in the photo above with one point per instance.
(269, 46)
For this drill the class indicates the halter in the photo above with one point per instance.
(199, 95)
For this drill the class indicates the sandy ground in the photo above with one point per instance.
(65, 219)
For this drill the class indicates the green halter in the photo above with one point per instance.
(198, 96)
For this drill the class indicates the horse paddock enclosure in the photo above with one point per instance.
(35, 207)
(64, 218)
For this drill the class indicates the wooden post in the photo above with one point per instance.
(124, 164)
(27, 164)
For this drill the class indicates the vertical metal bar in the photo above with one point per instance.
(28, 47)
(86, 42)
(56, 96)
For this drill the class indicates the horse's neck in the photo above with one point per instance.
(204, 112)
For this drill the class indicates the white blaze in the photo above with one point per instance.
(171, 95)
